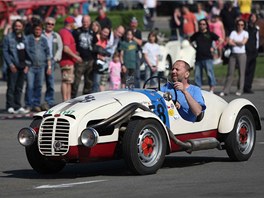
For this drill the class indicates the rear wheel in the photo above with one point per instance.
(241, 141)
(144, 146)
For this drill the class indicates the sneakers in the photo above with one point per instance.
(248, 91)
(36, 109)
(44, 107)
(217, 61)
(11, 110)
(222, 94)
(21, 110)
(238, 93)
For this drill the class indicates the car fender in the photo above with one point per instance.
(39, 114)
(147, 114)
(229, 115)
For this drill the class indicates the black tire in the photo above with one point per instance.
(146, 133)
(37, 161)
(240, 142)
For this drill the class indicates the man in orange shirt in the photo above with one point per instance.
(189, 22)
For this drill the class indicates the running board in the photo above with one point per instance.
(203, 144)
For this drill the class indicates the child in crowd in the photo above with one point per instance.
(115, 72)
(216, 26)
(128, 56)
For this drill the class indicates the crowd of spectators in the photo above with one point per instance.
(95, 52)
(83, 49)
(230, 25)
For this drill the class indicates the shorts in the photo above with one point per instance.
(67, 75)
(103, 79)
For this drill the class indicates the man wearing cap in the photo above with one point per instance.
(190, 102)
(69, 57)
(138, 39)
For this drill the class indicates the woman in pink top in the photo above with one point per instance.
(115, 72)
(216, 26)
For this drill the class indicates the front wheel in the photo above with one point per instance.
(41, 164)
(144, 146)
(241, 141)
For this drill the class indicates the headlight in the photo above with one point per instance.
(26, 136)
(89, 137)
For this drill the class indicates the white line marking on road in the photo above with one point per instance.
(67, 185)
(260, 142)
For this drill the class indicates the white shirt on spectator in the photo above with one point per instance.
(152, 51)
(238, 38)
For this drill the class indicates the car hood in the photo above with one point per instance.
(112, 101)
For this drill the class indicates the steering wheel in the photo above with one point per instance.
(157, 81)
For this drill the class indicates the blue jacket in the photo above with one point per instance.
(10, 52)
(38, 52)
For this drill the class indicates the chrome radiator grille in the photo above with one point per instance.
(54, 137)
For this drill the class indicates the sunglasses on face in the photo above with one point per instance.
(202, 24)
(52, 24)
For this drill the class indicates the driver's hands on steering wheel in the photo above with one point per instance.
(179, 86)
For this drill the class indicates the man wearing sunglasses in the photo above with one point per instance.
(55, 46)
(202, 41)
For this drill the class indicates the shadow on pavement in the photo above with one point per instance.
(109, 168)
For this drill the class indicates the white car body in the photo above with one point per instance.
(114, 119)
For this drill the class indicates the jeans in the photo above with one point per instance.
(137, 72)
(208, 66)
(15, 83)
(149, 73)
(49, 95)
(35, 79)
(96, 82)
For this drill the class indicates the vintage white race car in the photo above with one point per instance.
(139, 125)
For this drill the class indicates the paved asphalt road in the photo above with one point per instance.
(202, 174)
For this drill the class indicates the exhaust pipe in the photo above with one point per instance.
(204, 144)
(124, 113)
(196, 144)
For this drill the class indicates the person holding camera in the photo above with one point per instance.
(85, 40)
(100, 75)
